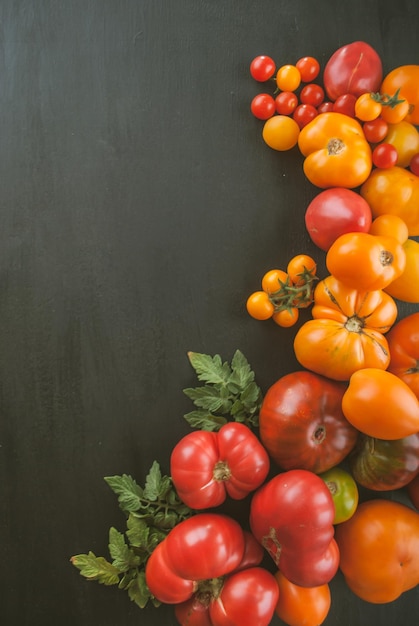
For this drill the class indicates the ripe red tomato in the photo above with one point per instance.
(345, 104)
(312, 94)
(262, 68)
(263, 106)
(286, 102)
(403, 343)
(309, 68)
(334, 212)
(414, 164)
(384, 155)
(375, 130)
(355, 68)
(302, 424)
(304, 113)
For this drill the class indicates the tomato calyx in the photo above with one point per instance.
(319, 435)
(208, 590)
(221, 471)
(386, 257)
(335, 146)
(387, 100)
(291, 294)
(354, 324)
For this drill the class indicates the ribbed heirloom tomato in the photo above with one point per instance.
(403, 342)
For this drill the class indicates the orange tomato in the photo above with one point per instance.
(336, 151)
(302, 606)
(286, 317)
(390, 226)
(380, 404)
(259, 306)
(273, 280)
(406, 287)
(280, 132)
(364, 261)
(404, 78)
(393, 114)
(300, 268)
(347, 332)
(405, 138)
(403, 343)
(367, 108)
(379, 550)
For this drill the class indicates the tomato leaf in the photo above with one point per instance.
(138, 591)
(209, 398)
(210, 369)
(153, 483)
(204, 420)
(128, 492)
(97, 568)
(123, 557)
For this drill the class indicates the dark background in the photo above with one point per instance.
(139, 208)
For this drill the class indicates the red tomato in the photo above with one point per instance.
(345, 104)
(262, 68)
(334, 212)
(403, 343)
(309, 68)
(414, 164)
(376, 130)
(304, 113)
(355, 68)
(312, 94)
(206, 466)
(263, 106)
(286, 102)
(302, 424)
(384, 155)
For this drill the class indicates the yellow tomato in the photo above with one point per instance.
(405, 138)
(406, 287)
(281, 132)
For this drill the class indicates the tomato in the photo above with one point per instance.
(405, 138)
(336, 211)
(312, 94)
(355, 68)
(263, 106)
(413, 491)
(309, 68)
(414, 164)
(292, 517)
(394, 113)
(379, 550)
(262, 68)
(403, 342)
(288, 78)
(380, 404)
(302, 606)
(364, 261)
(259, 306)
(286, 102)
(347, 332)
(382, 465)
(384, 155)
(367, 108)
(390, 226)
(286, 317)
(281, 132)
(204, 546)
(405, 80)
(326, 107)
(375, 130)
(406, 287)
(335, 150)
(394, 191)
(206, 466)
(304, 113)
(274, 280)
(301, 423)
(345, 104)
(344, 492)
(301, 268)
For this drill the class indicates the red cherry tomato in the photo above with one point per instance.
(345, 104)
(262, 68)
(312, 94)
(286, 102)
(309, 68)
(414, 165)
(304, 113)
(375, 130)
(263, 106)
(384, 156)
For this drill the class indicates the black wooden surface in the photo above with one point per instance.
(139, 208)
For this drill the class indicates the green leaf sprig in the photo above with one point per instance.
(151, 511)
(229, 392)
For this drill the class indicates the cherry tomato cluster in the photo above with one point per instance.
(284, 293)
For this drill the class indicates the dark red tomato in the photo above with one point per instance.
(355, 68)
(309, 68)
(312, 94)
(383, 465)
(263, 106)
(302, 424)
(334, 212)
(345, 104)
(286, 102)
(262, 68)
(413, 491)
(375, 130)
(304, 113)
(414, 165)
(384, 156)
(326, 107)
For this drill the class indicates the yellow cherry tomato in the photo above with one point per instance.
(405, 138)
(281, 132)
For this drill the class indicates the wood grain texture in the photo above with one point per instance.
(139, 207)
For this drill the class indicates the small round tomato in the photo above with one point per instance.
(273, 280)
(413, 491)
(304, 113)
(325, 107)
(367, 108)
(302, 606)
(405, 138)
(390, 226)
(263, 106)
(345, 104)
(281, 132)
(375, 130)
(406, 286)
(309, 68)
(403, 343)
(404, 80)
(395, 113)
(344, 492)
(286, 102)
(288, 78)
(372, 400)
(262, 68)
(414, 164)
(312, 94)
(259, 306)
(384, 156)
(286, 317)
(301, 268)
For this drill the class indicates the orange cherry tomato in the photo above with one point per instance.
(403, 343)
(288, 78)
(273, 280)
(301, 268)
(379, 550)
(393, 114)
(302, 606)
(367, 108)
(286, 317)
(405, 80)
(346, 332)
(259, 306)
(406, 287)
(390, 226)
(380, 404)
(364, 261)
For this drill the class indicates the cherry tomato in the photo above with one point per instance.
(273, 280)
(375, 130)
(309, 68)
(286, 102)
(304, 113)
(414, 164)
(281, 132)
(395, 114)
(344, 492)
(263, 106)
(259, 306)
(302, 606)
(288, 78)
(384, 156)
(312, 94)
(301, 268)
(404, 80)
(325, 107)
(345, 104)
(262, 68)
(286, 317)
(367, 108)
(405, 138)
